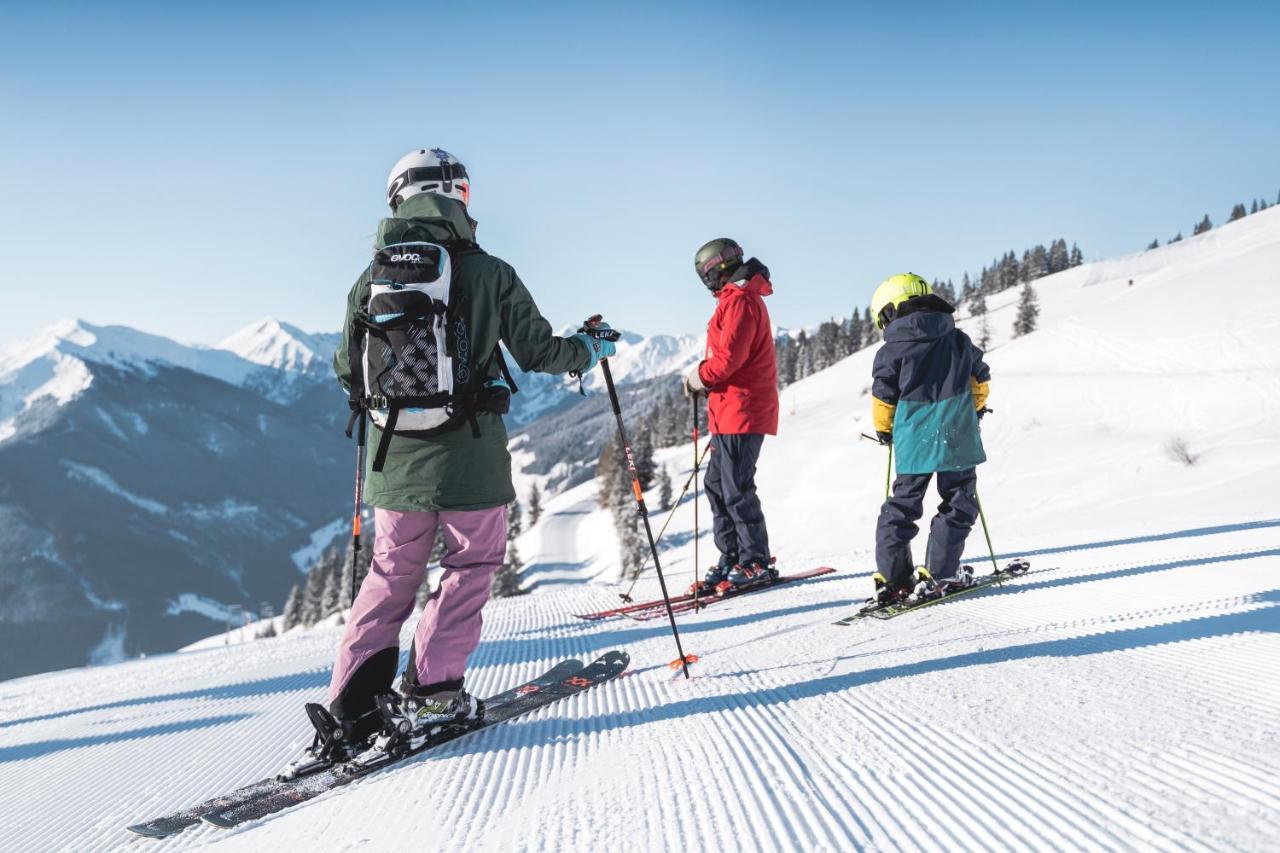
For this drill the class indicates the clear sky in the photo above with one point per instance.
(188, 168)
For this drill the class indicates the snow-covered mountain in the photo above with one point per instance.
(1121, 696)
(281, 346)
(639, 359)
(148, 487)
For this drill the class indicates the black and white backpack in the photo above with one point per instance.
(413, 370)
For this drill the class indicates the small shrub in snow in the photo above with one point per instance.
(1180, 451)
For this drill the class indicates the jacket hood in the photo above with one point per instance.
(445, 218)
(920, 326)
(751, 277)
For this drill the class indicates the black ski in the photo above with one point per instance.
(171, 824)
(527, 698)
(873, 610)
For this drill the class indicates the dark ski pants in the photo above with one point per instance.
(897, 525)
(737, 519)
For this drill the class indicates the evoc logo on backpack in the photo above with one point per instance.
(406, 259)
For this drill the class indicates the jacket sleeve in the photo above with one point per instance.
(980, 379)
(884, 391)
(738, 321)
(528, 335)
(342, 356)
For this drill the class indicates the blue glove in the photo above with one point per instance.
(596, 347)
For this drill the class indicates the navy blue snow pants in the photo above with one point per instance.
(897, 525)
(737, 518)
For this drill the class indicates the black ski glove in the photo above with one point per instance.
(885, 437)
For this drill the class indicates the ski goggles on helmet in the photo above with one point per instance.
(712, 269)
(450, 178)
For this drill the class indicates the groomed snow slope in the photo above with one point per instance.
(1124, 696)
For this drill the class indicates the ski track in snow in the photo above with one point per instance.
(1122, 697)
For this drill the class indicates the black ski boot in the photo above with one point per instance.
(335, 741)
(887, 593)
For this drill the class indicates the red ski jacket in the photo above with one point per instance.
(741, 368)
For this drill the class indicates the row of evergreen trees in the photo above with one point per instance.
(1237, 212)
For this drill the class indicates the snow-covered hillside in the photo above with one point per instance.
(1122, 696)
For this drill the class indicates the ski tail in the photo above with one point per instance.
(558, 683)
(175, 822)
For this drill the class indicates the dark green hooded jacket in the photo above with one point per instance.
(456, 471)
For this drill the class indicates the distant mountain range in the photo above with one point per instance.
(150, 489)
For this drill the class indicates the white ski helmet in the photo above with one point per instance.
(428, 170)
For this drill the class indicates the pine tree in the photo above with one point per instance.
(1237, 212)
(1177, 238)
(857, 332)
(292, 609)
(642, 452)
(1155, 244)
(786, 351)
(506, 581)
(1203, 226)
(333, 595)
(535, 505)
(664, 489)
(313, 592)
(515, 520)
(984, 331)
(978, 303)
(872, 334)
(966, 288)
(1059, 256)
(1077, 257)
(1028, 312)
(1254, 208)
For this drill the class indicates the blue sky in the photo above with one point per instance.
(189, 168)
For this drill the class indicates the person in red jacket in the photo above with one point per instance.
(740, 378)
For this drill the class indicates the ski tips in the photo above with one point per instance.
(685, 661)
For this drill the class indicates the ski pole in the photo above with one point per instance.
(888, 472)
(355, 517)
(697, 584)
(611, 335)
(635, 577)
(986, 532)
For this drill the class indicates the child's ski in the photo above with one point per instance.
(527, 698)
(171, 824)
(889, 611)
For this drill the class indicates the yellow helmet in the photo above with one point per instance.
(892, 292)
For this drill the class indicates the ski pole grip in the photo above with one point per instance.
(591, 329)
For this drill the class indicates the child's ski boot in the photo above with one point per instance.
(962, 579)
(887, 593)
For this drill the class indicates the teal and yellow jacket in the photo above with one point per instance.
(930, 382)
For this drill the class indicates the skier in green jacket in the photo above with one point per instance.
(454, 481)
